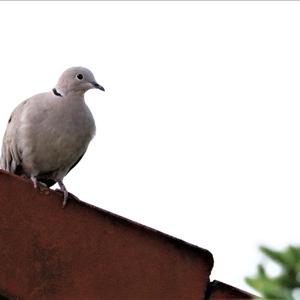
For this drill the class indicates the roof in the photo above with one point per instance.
(84, 252)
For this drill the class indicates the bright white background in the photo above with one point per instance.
(198, 132)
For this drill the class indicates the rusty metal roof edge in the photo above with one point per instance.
(209, 256)
(206, 254)
(219, 284)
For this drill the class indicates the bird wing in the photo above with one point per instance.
(78, 160)
(51, 182)
(11, 156)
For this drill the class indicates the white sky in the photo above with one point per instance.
(198, 130)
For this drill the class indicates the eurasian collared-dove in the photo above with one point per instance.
(48, 134)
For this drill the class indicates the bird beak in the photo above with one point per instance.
(97, 86)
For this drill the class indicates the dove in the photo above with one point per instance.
(48, 134)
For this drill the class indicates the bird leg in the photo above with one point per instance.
(64, 190)
(34, 181)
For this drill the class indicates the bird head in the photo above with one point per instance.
(77, 80)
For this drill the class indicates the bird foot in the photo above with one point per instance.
(44, 188)
(39, 185)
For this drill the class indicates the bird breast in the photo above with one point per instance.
(59, 134)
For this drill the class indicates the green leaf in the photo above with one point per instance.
(281, 286)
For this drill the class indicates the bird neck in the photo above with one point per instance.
(76, 93)
(68, 93)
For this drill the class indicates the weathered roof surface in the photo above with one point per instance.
(83, 252)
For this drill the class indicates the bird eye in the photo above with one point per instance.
(79, 76)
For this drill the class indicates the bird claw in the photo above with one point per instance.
(34, 181)
(64, 191)
(65, 198)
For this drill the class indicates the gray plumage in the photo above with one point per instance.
(48, 133)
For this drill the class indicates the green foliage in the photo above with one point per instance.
(283, 285)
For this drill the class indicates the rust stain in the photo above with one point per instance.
(49, 271)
